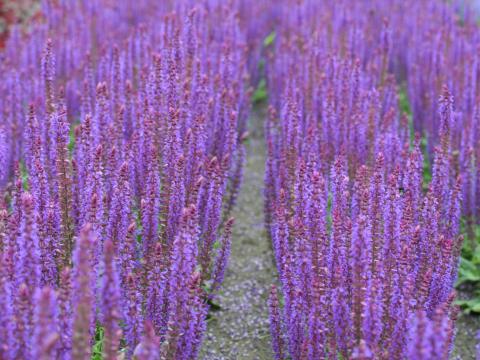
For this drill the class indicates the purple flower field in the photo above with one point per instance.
(239, 179)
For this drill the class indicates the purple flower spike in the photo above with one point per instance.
(83, 303)
(276, 325)
(148, 349)
(46, 334)
(110, 306)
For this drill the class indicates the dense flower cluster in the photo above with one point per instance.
(122, 129)
(367, 254)
(419, 45)
(443, 49)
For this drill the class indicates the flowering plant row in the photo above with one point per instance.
(123, 129)
(367, 251)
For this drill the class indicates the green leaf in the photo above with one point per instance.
(403, 102)
(97, 348)
(467, 272)
(71, 139)
(269, 39)
(24, 175)
(427, 166)
(260, 95)
(207, 286)
(470, 306)
(213, 306)
(476, 256)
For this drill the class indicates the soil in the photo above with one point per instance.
(467, 327)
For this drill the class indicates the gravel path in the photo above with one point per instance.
(467, 327)
(240, 329)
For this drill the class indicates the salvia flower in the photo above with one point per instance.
(121, 157)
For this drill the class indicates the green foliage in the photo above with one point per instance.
(269, 39)
(404, 106)
(427, 166)
(260, 95)
(97, 348)
(24, 175)
(213, 306)
(472, 305)
(469, 271)
(71, 140)
(403, 102)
